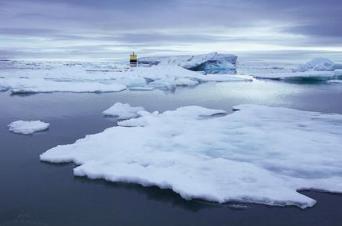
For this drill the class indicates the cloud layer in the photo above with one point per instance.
(79, 28)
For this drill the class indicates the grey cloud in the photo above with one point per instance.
(156, 23)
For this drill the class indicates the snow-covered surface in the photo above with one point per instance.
(213, 63)
(257, 154)
(83, 77)
(317, 64)
(335, 81)
(255, 67)
(319, 75)
(32, 77)
(27, 127)
(319, 69)
(123, 111)
(44, 85)
(225, 78)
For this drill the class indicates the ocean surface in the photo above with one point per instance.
(37, 193)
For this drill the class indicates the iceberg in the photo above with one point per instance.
(213, 63)
(28, 127)
(123, 111)
(317, 64)
(257, 154)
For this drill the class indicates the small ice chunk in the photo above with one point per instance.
(27, 127)
(163, 84)
(123, 111)
(186, 82)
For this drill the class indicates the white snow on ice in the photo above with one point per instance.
(123, 111)
(33, 77)
(317, 64)
(319, 69)
(335, 81)
(257, 154)
(43, 85)
(27, 127)
(57, 77)
(225, 78)
(318, 75)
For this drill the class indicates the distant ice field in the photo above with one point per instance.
(20, 77)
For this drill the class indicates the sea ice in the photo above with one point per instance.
(33, 85)
(257, 154)
(319, 69)
(85, 77)
(338, 73)
(123, 111)
(212, 63)
(335, 81)
(186, 82)
(27, 127)
(317, 64)
(225, 78)
(310, 75)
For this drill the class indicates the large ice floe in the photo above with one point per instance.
(84, 77)
(27, 127)
(257, 154)
(213, 63)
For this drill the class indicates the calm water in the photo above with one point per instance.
(35, 193)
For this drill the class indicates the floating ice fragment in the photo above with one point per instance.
(123, 111)
(27, 127)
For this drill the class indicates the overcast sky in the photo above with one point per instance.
(107, 28)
